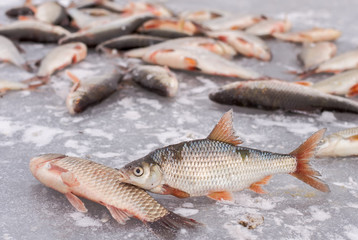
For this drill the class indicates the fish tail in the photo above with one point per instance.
(304, 171)
(27, 67)
(168, 226)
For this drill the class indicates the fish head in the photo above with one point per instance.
(142, 173)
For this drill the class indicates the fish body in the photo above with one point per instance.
(31, 30)
(345, 84)
(83, 20)
(268, 27)
(51, 12)
(19, 11)
(130, 41)
(232, 22)
(6, 85)
(191, 58)
(156, 78)
(247, 44)
(185, 27)
(314, 54)
(339, 63)
(100, 33)
(201, 15)
(276, 94)
(156, 9)
(217, 166)
(91, 90)
(102, 4)
(76, 177)
(313, 35)
(340, 144)
(9, 53)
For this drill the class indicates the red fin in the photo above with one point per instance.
(304, 83)
(24, 18)
(353, 91)
(256, 186)
(303, 154)
(118, 214)
(175, 192)
(224, 130)
(57, 169)
(74, 58)
(243, 41)
(222, 38)
(191, 63)
(224, 195)
(69, 179)
(353, 138)
(76, 202)
(75, 80)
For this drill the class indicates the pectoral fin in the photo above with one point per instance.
(256, 187)
(118, 214)
(175, 192)
(76, 202)
(69, 179)
(191, 63)
(353, 91)
(353, 138)
(224, 195)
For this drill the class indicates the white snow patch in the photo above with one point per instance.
(246, 200)
(40, 135)
(8, 128)
(127, 102)
(150, 102)
(132, 115)
(351, 184)
(188, 205)
(170, 133)
(292, 211)
(299, 128)
(351, 232)
(84, 221)
(98, 133)
(318, 214)
(75, 145)
(238, 232)
(352, 205)
(106, 155)
(327, 117)
(304, 231)
(186, 212)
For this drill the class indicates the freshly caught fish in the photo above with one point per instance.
(100, 33)
(52, 13)
(156, 9)
(269, 26)
(31, 30)
(59, 58)
(337, 64)
(19, 11)
(156, 78)
(314, 54)
(82, 20)
(276, 94)
(9, 53)
(313, 35)
(216, 166)
(345, 84)
(76, 177)
(91, 90)
(340, 144)
(201, 15)
(234, 22)
(215, 46)
(103, 4)
(130, 41)
(192, 58)
(244, 43)
(11, 86)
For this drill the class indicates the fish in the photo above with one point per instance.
(268, 27)
(156, 78)
(130, 41)
(201, 15)
(100, 33)
(215, 46)
(59, 58)
(52, 13)
(197, 59)
(232, 22)
(337, 64)
(76, 177)
(247, 44)
(343, 143)
(276, 94)
(10, 53)
(32, 30)
(6, 85)
(20, 11)
(217, 165)
(313, 35)
(92, 89)
(343, 84)
(114, 7)
(314, 54)
(154, 8)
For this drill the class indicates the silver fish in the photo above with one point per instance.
(104, 4)
(314, 54)
(313, 35)
(91, 90)
(276, 94)
(340, 144)
(217, 165)
(9, 53)
(154, 8)
(345, 84)
(51, 12)
(201, 15)
(100, 33)
(6, 85)
(31, 30)
(268, 27)
(233, 22)
(156, 78)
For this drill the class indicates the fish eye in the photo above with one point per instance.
(138, 171)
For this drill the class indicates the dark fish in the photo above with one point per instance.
(31, 30)
(217, 165)
(130, 41)
(19, 11)
(275, 94)
(156, 78)
(10, 53)
(165, 33)
(100, 33)
(104, 4)
(91, 90)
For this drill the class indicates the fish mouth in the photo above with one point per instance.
(123, 177)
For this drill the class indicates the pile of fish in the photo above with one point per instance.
(202, 41)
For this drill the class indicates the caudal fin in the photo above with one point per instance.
(168, 226)
(304, 171)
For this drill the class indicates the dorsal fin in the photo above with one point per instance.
(224, 130)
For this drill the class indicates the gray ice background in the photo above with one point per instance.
(132, 122)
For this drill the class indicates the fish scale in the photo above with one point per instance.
(206, 165)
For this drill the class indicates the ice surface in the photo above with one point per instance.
(133, 121)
